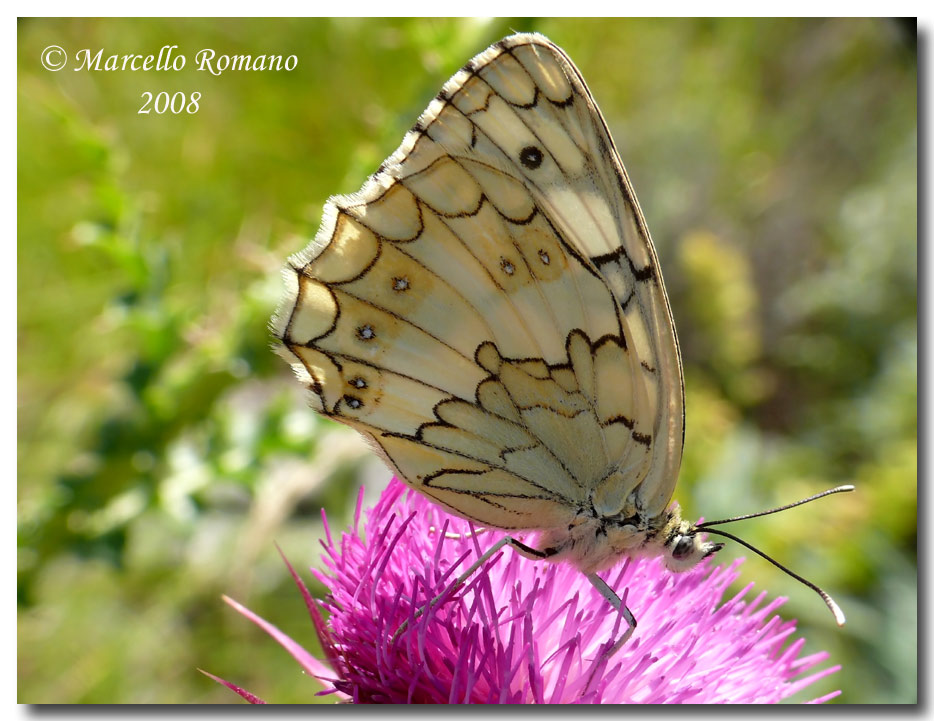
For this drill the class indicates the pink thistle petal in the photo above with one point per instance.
(524, 631)
(252, 698)
(327, 644)
(309, 663)
(825, 698)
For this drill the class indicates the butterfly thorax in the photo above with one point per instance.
(597, 543)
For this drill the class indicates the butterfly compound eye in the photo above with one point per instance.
(683, 548)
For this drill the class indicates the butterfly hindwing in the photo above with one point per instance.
(488, 310)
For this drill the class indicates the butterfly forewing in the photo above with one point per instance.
(488, 309)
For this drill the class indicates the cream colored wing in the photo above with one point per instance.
(488, 308)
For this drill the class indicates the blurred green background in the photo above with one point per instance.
(163, 449)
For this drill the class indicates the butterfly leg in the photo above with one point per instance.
(520, 548)
(617, 603)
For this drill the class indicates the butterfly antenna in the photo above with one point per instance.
(838, 489)
(831, 604)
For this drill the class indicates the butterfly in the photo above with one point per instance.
(489, 312)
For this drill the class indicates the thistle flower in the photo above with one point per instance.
(525, 631)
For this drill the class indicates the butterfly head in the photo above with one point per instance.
(684, 547)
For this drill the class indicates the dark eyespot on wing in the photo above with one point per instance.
(531, 157)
